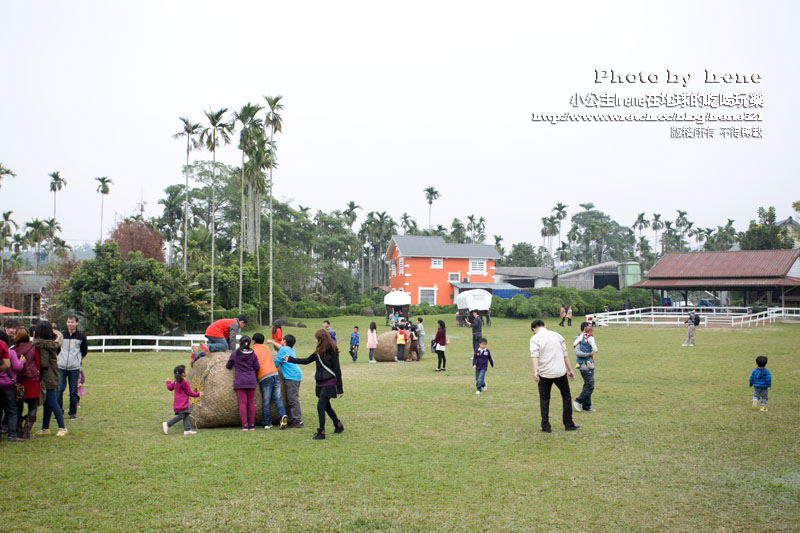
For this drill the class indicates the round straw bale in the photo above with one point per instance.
(387, 348)
(219, 406)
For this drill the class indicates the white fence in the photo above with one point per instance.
(709, 316)
(149, 343)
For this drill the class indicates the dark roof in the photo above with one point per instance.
(741, 264)
(717, 283)
(488, 286)
(421, 246)
(789, 222)
(525, 272)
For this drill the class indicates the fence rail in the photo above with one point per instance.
(149, 343)
(709, 316)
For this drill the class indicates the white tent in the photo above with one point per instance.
(398, 298)
(475, 299)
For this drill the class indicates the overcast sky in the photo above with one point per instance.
(383, 100)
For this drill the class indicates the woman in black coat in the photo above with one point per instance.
(328, 377)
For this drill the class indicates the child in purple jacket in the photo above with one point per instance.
(245, 362)
(480, 363)
(181, 402)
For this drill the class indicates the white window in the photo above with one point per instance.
(477, 266)
(427, 296)
(437, 262)
(400, 263)
(393, 269)
(454, 276)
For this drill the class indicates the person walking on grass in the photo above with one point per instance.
(245, 362)
(440, 343)
(354, 340)
(328, 377)
(292, 376)
(585, 350)
(480, 364)
(44, 340)
(74, 348)
(180, 403)
(761, 381)
(569, 316)
(477, 329)
(563, 314)
(421, 335)
(551, 366)
(691, 322)
(269, 382)
(372, 341)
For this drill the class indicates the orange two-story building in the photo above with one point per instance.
(427, 267)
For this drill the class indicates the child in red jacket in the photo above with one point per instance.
(181, 402)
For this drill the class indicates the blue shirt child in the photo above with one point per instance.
(354, 339)
(291, 372)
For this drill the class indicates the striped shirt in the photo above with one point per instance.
(761, 378)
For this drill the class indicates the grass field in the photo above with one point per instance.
(673, 445)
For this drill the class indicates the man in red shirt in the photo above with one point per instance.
(221, 334)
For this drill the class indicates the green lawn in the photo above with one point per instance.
(673, 445)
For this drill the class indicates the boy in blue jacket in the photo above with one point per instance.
(292, 376)
(354, 339)
(761, 381)
(480, 363)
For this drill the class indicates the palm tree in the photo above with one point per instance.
(217, 131)
(37, 232)
(52, 227)
(656, 224)
(498, 245)
(103, 189)
(457, 231)
(275, 125)
(406, 222)
(251, 126)
(560, 211)
(5, 171)
(640, 224)
(56, 184)
(431, 194)
(350, 213)
(5, 234)
(681, 223)
(472, 222)
(192, 132)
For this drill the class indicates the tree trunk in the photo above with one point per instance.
(257, 203)
(186, 209)
(213, 217)
(241, 234)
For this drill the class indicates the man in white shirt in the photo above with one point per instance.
(551, 365)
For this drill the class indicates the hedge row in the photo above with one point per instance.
(546, 302)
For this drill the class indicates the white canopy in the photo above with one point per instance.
(475, 299)
(397, 298)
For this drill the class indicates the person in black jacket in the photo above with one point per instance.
(328, 377)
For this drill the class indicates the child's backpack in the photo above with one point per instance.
(583, 348)
(696, 319)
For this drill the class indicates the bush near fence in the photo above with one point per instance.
(546, 302)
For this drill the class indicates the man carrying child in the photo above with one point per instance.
(585, 350)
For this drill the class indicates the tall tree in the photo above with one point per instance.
(103, 189)
(6, 234)
(191, 131)
(431, 194)
(275, 125)
(37, 232)
(765, 234)
(248, 137)
(56, 184)
(218, 131)
(560, 211)
(350, 212)
(5, 172)
(656, 224)
(640, 224)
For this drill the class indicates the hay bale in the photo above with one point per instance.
(219, 406)
(387, 349)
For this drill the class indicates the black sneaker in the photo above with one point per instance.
(73, 417)
(546, 429)
(339, 427)
(573, 427)
(319, 436)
